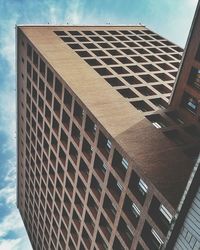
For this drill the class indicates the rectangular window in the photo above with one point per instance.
(119, 186)
(166, 213)
(143, 187)
(194, 78)
(109, 144)
(104, 166)
(125, 163)
(29, 51)
(42, 67)
(160, 242)
(157, 120)
(189, 102)
(135, 210)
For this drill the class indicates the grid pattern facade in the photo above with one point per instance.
(139, 64)
(76, 187)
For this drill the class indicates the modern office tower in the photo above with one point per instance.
(103, 161)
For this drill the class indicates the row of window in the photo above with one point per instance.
(188, 101)
(114, 35)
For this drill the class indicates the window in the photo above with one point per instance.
(138, 187)
(75, 134)
(159, 102)
(194, 78)
(99, 167)
(93, 62)
(125, 232)
(120, 70)
(189, 102)
(78, 112)
(160, 215)
(74, 46)
(67, 39)
(157, 120)
(109, 144)
(87, 149)
(35, 59)
(151, 237)
(90, 128)
(75, 33)
(161, 88)
(83, 168)
(127, 93)
(109, 61)
(42, 67)
(142, 106)
(103, 71)
(119, 186)
(160, 242)
(83, 53)
(117, 244)
(143, 187)
(174, 115)
(73, 153)
(29, 69)
(67, 99)
(135, 210)
(114, 187)
(49, 76)
(60, 33)
(166, 213)
(120, 164)
(29, 51)
(104, 145)
(96, 188)
(125, 163)
(105, 227)
(35, 77)
(58, 88)
(145, 91)
(114, 81)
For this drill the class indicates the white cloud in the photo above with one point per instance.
(11, 222)
(8, 41)
(15, 244)
(8, 195)
(7, 94)
(9, 244)
(74, 12)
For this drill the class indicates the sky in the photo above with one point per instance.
(169, 18)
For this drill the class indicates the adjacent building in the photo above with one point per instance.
(103, 159)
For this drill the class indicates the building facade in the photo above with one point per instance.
(103, 159)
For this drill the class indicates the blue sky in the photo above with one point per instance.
(170, 18)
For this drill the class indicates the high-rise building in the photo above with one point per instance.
(185, 231)
(103, 159)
